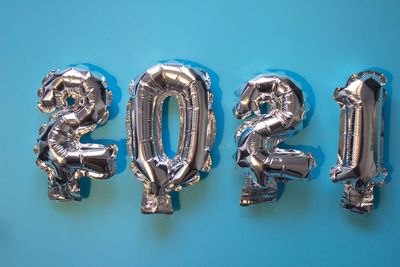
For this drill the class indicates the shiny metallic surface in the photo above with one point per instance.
(160, 174)
(263, 162)
(360, 157)
(80, 100)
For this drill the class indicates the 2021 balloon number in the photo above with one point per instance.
(78, 100)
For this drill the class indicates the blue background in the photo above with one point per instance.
(320, 42)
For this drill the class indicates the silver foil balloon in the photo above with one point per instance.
(80, 100)
(360, 157)
(160, 174)
(264, 163)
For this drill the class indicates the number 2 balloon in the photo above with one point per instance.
(264, 163)
(160, 174)
(60, 153)
(360, 158)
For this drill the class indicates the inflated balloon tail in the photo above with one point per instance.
(253, 193)
(155, 201)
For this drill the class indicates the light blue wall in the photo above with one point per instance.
(320, 42)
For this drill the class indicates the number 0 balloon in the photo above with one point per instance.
(160, 174)
(60, 154)
(360, 156)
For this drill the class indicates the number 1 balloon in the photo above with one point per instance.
(160, 174)
(264, 163)
(360, 158)
(60, 153)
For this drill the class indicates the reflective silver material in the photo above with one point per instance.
(82, 99)
(360, 157)
(258, 137)
(160, 174)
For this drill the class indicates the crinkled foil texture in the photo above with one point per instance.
(162, 175)
(360, 153)
(78, 100)
(264, 164)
